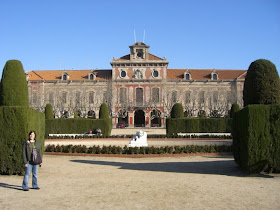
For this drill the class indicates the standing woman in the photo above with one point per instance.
(27, 160)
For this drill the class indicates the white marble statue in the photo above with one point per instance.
(139, 140)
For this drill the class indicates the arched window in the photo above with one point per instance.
(174, 97)
(91, 76)
(91, 114)
(188, 76)
(215, 76)
(64, 76)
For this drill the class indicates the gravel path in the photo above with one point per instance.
(195, 182)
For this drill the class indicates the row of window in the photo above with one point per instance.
(139, 64)
(174, 96)
(63, 98)
(155, 96)
(214, 76)
(138, 74)
(66, 76)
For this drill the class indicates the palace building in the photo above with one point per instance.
(139, 90)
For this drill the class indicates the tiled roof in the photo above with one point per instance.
(205, 74)
(127, 57)
(55, 75)
(172, 74)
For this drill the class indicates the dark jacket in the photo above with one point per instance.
(27, 150)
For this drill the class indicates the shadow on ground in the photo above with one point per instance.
(14, 187)
(219, 167)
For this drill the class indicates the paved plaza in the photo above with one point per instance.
(195, 182)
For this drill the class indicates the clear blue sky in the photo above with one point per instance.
(87, 34)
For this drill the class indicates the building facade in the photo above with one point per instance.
(139, 90)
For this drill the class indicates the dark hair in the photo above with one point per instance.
(30, 133)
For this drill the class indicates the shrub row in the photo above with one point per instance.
(149, 136)
(256, 138)
(198, 125)
(78, 125)
(136, 150)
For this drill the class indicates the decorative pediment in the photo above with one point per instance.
(214, 75)
(65, 76)
(187, 75)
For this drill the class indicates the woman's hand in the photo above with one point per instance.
(25, 165)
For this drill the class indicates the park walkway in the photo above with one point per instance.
(196, 182)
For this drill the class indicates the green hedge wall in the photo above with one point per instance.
(15, 124)
(256, 138)
(78, 125)
(198, 125)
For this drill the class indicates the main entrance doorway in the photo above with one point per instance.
(139, 118)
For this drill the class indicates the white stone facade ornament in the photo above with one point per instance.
(139, 140)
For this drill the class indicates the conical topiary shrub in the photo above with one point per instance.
(104, 112)
(177, 111)
(49, 112)
(234, 108)
(262, 84)
(13, 86)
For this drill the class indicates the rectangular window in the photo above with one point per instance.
(230, 97)
(64, 98)
(105, 97)
(51, 99)
(78, 98)
(34, 98)
(139, 96)
(215, 97)
(155, 95)
(201, 97)
(91, 97)
(123, 97)
(188, 97)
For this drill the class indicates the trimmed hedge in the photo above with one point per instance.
(138, 150)
(78, 125)
(256, 138)
(15, 124)
(198, 125)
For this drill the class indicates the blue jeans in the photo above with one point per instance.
(34, 169)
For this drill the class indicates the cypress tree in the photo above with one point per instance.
(104, 112)
(177, 111)
(13, 86)
(262, 84)
(49, 112)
